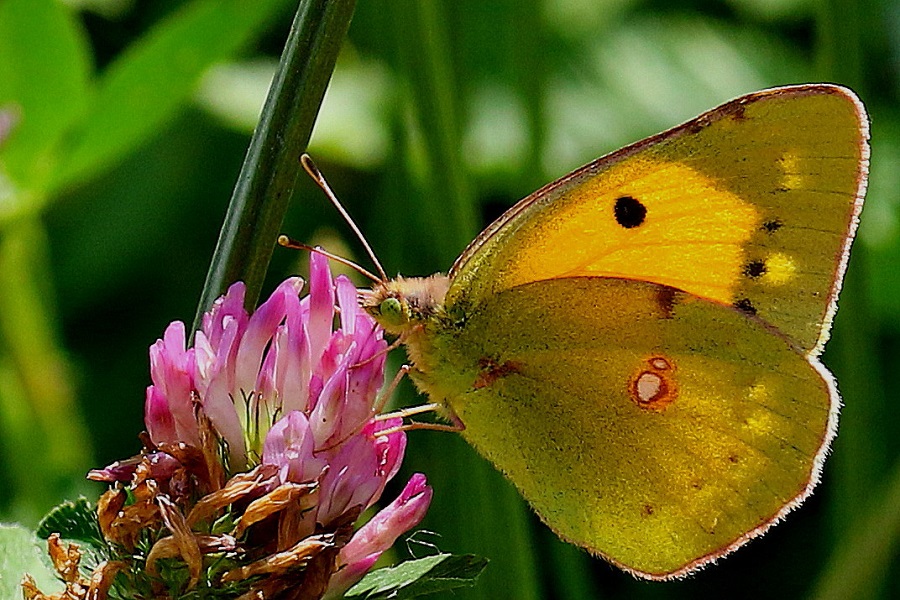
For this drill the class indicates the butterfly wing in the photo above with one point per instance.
(753, 204)
(653, 427)
(635, 344)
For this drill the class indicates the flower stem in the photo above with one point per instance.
(271, 170)
(863, 487)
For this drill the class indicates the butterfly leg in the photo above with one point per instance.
(397, 343)
(455, 424)
(386, 394)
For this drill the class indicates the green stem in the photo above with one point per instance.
(864, 532)
(474, 508)
(861, 564)
(424, 48)
(44, 441)
(271, 169)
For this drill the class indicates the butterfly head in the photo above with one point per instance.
(403, 303)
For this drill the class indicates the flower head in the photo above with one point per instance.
(269, 423)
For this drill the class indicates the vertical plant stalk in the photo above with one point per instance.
(271, 170)
(860, 565)
(864, 529)
(45, 441)
(475, 509)
(449, 208)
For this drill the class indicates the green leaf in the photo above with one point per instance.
(44, 79)
(142, 90)
(415, 578)
(72, 521)
(21, 552)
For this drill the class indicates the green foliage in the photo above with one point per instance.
(20, 553)
(146, 84)
(414, 578)
(73, 521)
(46, 74)
(70, 125)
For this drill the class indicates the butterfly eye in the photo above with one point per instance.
(391, 310)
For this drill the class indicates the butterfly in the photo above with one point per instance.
(635, 345)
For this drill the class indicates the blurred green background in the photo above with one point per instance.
(130, 120)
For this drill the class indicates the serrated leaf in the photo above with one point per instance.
(21, 552)
(415, 578)
(143, 89)
(72, 521)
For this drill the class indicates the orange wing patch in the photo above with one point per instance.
(753, 204)
(642, 219)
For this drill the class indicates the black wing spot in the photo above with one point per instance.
(772, 225)
(744, 305)
(629, 212)
(755, 269)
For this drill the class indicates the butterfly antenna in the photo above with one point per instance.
(293, 244)
(310, 167)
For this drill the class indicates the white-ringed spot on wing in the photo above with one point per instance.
(653, 387)
(658, 362)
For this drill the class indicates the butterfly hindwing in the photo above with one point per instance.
(652, 427)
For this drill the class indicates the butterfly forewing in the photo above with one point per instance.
(752, 204)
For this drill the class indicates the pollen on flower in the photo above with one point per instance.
(262, 450)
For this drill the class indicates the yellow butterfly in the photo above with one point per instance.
(635, 345)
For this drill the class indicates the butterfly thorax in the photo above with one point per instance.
(412, 309)
(405, 304)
